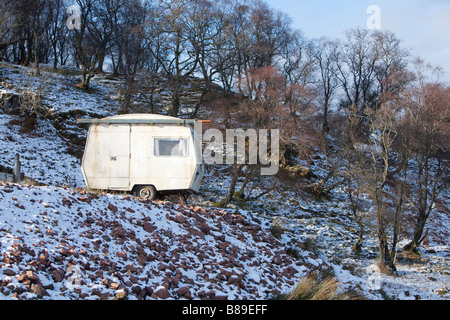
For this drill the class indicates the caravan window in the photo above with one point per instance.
(171, 147)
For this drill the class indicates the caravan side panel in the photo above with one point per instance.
(95, 165)
(162, 171)
(106, 161)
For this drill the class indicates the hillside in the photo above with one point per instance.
(121, 247)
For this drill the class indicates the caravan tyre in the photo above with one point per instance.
(146, 192)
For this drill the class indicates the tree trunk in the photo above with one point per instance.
(398, 212)
(101, 61)
(325, 126)
(385, 262)
(85, 78)
(231, 190)
(175, 109)
(419, 234)
(358, 244)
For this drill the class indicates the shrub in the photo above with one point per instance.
(314, 287)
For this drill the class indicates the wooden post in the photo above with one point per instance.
(17, 173)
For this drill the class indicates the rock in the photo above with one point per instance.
(9, 272)
(148, 227)
(90, 220)
(142, 259)
(162, 292)
(226, 273)
(39, 290)
(147, 291)
(118, 232)
(27, 250)
(66, 202)
(113, 208)
(65, 252)
(58, 275)
(10, 103)
(28, 276)
(180, 218)
(121, 294)
(277, 231)
(184, 292)
(234, 279)
(204, 228)
(131, 268)
(114, 285)
(121, 254)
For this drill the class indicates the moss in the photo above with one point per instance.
(238, 195)
(218, 204)
(301, 172)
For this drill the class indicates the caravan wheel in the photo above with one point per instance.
(146, 192)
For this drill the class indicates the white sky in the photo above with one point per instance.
(422, 25)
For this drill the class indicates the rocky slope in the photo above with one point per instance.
(62, 244)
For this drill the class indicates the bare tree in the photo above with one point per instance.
(133, 19)
(175, 54)
(8, 23)
(56, 30)
(353, 174)
(374, 169)
(324, 53)
(203, 30)
(356, 62)
(91, 41)
(426, 107)
(270, 31)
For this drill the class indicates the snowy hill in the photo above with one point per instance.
(120, 246)
(58, 241)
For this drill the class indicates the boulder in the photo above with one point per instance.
(10, 103)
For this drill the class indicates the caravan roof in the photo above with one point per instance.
(137, 118)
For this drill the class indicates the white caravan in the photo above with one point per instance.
(142, 153)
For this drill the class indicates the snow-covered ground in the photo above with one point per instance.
(57, 243)
(43, 160)
(62, 243)
(325, 228)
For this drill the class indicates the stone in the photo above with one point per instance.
(162, 292)
(9, 272)
(148, 227)
(113, 208)
(205, 228)
(39, 290)
(90, 220)
(180, 218)
(184, 292)
(121, 254)
(10, 103)
(58, 275)
(114, 285)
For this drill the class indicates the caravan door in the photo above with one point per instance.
(119, 157)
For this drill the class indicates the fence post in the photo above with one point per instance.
(17, 173)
